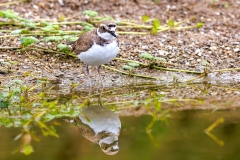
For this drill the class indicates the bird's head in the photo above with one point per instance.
(107, 30)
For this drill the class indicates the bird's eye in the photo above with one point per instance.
(111, 25)
(103, 28)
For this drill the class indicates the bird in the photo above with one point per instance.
(97, 47)
(99, 125)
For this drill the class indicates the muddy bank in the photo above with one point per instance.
(217, 43)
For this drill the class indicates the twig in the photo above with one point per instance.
(44, 34)
(6, 36)
(64, 23)
(10, 3)
(3, 70)
(141, 33)
(47, 33)
(225, 70)
(9, 48)
(161, 68)
(49, 50)
(193, 79)
(187, 27)
(127, 60)
(137, 26)
(136, 75)
(161, 101)
(225, 87)
(176, 70)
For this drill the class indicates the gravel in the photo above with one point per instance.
(218, 42)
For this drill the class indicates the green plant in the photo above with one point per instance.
(205, 66)
(53, 38)
(153, 60)
(62, 47)
(25, 41)
(90, 13)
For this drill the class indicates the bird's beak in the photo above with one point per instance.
(113, 33)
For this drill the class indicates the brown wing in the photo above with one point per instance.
(84, 42)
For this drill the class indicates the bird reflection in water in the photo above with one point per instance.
(99, 125)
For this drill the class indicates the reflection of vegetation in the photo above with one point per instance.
(25, 106)
(211, 127)
(154, 104)
(26, 146)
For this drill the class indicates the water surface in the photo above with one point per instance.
(181, 137)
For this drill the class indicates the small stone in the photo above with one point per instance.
(235, 43)
(199, 54)
(213, 48)
(59, 74)
(1, 60)
(179, 42)
(236, 50)
(63, 67)
(228, 48)
(175, 48)
(69, 76)
(173, 54)
(190, 59)
(214, 94)
(145, 47)
(169, 47)
(197, 42)
(198, 50)
(164, 36)
(35, 7)
(54, 81)
(161, 44)
(162, 53)
(199, 60)
(173, 8)
(25, 67)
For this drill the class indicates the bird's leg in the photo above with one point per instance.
(98, 69)
(89, 95)
(89, 79)
(100, 97)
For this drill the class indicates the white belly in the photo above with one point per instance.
(98, 55)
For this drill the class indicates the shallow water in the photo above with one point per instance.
(181, 137)
(138, 121)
